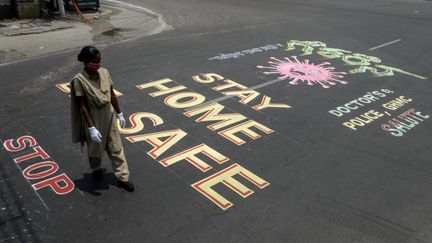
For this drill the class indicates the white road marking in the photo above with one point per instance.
(153, 14)
(80, 191)
(385, 44)
(19, 168)
(230, 96)
(209, 102)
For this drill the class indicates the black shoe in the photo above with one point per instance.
(128, 186)
(97, 174)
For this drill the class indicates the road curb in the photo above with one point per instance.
(129, 22)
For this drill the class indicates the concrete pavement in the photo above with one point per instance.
(114, 22)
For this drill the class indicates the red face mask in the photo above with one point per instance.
(93, 66)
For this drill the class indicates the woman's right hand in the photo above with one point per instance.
(95, 135)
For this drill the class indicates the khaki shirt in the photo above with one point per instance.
(98, 94)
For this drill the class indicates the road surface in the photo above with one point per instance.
(251, 121)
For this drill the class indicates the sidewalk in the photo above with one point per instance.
(114, 22)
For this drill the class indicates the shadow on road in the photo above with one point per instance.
(88, 183)
(15, 221)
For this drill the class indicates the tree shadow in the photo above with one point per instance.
(88, 183)
(15, 220)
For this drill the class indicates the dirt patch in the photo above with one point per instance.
(103, 31)
(11, 54)
(112, 32)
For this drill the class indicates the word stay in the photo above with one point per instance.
(227, 125)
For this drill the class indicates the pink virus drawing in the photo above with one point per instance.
(297, 71)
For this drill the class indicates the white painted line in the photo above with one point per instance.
(19, 168)
(266, 83)
(230, 96)
(385, 44)
(153, 14)
(208, 102)
(80, 191)
(163, 25)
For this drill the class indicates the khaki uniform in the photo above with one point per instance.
(98, 94)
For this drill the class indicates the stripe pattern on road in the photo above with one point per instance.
(385, 44)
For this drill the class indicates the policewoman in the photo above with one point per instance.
(93, 104)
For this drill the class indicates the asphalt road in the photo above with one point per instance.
(333, 149)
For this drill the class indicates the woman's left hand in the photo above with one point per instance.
(121, 119)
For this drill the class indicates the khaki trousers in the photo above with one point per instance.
(112, 145)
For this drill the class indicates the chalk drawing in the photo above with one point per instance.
(308, 46)
(386, 71)
(238, 54)
(363, 62)
(297, 71)
(331, 53)
(404, 122)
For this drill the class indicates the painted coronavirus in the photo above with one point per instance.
(304, 72)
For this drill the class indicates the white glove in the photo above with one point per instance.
(121, 119)
(95, 135)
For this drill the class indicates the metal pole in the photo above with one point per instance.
(61, 8)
